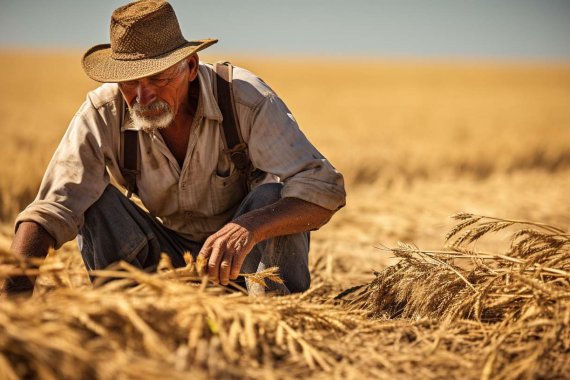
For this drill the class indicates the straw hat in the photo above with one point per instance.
(145, 40)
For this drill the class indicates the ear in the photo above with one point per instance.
(193, 65)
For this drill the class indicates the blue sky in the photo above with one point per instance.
(481, 29)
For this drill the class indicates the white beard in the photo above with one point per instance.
(151, 123)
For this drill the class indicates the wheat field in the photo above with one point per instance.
(417, 142)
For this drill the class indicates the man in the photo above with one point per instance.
(155, 84)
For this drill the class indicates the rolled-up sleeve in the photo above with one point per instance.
(74, 180)
(277, 145)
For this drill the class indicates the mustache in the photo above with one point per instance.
(157, 105)
(160, 116)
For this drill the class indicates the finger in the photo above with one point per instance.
(214, 262)
(239, 258)
(225, 267)
(237, 262)
(203, 257)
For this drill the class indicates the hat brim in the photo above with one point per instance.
(101, 67)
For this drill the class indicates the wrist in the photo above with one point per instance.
(254, 228)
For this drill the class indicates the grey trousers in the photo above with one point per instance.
(116, 229)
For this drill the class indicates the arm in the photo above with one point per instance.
(31, 240)
(312, 188)
(74, 179)
(226, 250)
(76, 175)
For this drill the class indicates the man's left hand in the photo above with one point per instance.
(225, 252)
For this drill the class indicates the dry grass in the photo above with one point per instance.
(512, 306)
(166, 324)
(416, 142)
(458, 313)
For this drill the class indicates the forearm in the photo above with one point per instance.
(285, 217)
(31, 240)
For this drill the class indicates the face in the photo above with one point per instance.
(154, 101)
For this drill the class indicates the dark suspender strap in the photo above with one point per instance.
(235, 146)
(130, 160)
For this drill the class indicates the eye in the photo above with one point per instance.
(160, 82)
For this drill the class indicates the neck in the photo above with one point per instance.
(187, 112)
(177, 134)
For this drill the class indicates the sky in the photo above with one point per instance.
(480, 29)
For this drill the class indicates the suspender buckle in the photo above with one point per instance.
(240, 160)
(239, 157)
(131, 181)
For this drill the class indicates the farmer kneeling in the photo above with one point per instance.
(212, 152)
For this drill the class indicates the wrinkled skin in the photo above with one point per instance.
(226, 250)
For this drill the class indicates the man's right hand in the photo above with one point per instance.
(31, 240)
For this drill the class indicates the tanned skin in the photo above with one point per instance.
(225, 250)
(31, 240)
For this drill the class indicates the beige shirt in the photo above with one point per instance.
(198, 198)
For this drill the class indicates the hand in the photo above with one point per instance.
(225, 252)
(17, 285)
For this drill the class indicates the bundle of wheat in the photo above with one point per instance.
(171, 321)
(517, 299)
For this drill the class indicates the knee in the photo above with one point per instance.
(300, 284)
(108, 200)
(110, 194)
(263, 195)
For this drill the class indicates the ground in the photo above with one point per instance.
(416, 142)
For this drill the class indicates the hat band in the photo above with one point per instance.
(137, 56)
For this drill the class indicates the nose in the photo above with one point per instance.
(146, 94)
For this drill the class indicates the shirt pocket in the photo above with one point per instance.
(226, 192)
